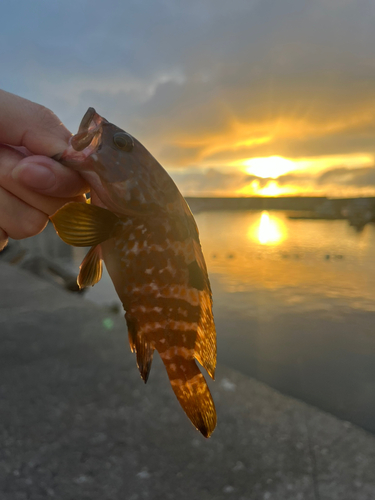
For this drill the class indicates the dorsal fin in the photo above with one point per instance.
(196, 276)
(205, 345)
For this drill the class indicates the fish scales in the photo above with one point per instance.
(142, 228)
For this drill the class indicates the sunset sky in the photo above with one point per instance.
(234, 98)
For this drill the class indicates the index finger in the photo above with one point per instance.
(25, 123)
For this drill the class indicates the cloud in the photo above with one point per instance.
(191, 181)
(339, 181)
(358, 177)
(205, 82)
(338, 176)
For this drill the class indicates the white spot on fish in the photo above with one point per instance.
(177, 351)
(157, 248)
(177, 381)
(182, 311)
(145, 309)
(180, 292)
(197, 379)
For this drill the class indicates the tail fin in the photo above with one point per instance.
(191, 391)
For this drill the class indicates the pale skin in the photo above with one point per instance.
(32, 184)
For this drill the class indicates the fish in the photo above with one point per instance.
(140, 225)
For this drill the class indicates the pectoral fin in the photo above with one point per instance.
(84, 225)
(91, 268)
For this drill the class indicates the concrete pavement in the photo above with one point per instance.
(77, 422)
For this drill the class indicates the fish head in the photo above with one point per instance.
(118, 168)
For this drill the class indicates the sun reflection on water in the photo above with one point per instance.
(268, 231)
(263, 253)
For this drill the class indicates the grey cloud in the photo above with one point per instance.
(355, 141)
(299, 180)
(168, 70)
(340, 176)
(359, 177)
(214, 182)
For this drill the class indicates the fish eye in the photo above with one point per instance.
(123, 141)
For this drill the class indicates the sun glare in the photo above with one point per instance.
(272, 189)
(275, 166)
(272, 166)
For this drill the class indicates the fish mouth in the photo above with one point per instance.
(85, 142)
(89, 132)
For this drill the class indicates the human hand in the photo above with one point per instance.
(32, 185)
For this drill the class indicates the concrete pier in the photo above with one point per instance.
(77, 422)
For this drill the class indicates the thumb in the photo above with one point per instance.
(49, 177)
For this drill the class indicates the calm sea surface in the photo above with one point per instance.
(294, 303)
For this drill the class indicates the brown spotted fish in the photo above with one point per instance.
(140, 225)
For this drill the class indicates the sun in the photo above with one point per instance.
(268, 167)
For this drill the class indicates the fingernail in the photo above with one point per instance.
(34, 176)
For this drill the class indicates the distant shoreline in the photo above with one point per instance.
(298, 203)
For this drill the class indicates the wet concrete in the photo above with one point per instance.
(77, 422)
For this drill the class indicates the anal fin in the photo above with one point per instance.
(91, 268)
(205, 343)
(144, 350)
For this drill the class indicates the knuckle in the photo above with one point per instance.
(9, 157)
(47, 117)
(32, 225)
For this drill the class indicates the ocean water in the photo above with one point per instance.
(294, 304)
